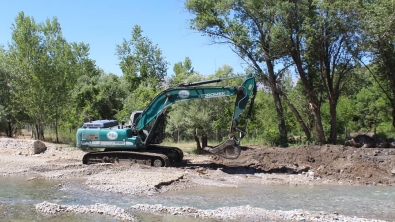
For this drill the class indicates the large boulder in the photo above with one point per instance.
(38, 147)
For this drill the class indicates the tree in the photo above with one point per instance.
(60, 68)
(45, 69)
(183, 72)
(247, 27)
(141, 62)
(98, 97)
(378, 37)
(372, 108)
(27, 53)
(8, 104)
(330, 45)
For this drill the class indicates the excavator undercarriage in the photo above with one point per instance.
(157, 156)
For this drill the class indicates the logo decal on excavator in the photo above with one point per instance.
(112, 135)
(212, 95)
(183, 94)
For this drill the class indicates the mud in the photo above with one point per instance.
(337, 164)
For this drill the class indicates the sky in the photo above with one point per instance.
(105, 24)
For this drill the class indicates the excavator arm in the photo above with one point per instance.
(190, 91)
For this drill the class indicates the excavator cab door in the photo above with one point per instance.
(134, 116)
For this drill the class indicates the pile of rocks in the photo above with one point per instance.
(104, 209)
(240, 213)
(247, 213)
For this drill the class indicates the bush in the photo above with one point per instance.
(271, 137)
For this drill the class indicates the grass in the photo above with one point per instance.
(186, 146)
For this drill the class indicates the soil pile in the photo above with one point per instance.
(365, 166)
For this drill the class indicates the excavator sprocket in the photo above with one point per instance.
(229, 149)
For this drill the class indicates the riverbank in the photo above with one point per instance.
(334, 165)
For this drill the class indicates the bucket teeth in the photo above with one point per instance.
(229, 149)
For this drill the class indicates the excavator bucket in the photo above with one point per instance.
(229, 149)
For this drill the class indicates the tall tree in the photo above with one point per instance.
(46, 69)
(8, 105)
(295, 13)
(144, 69)
(141, 61)
(378, 32)
(318, 36)
(247, 27)
(27, 53)
(330, 44)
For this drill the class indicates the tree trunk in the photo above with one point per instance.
(303, 76)
(279, 108)
(280, 120)
(195, 136)
(320, 130)
(204, 141)
(57, 124)
(39, 132)
(333, 136)
(9, 130)
(302, 124)
(178, 135)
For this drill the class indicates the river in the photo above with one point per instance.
(18, 195)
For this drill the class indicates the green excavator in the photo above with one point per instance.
(138, 141)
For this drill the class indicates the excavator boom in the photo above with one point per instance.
(190, 91)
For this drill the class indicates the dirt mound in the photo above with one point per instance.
(365, 166)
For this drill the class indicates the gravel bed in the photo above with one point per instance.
(248, 213)
(104, 209)
(241, 213)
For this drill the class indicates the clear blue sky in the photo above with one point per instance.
(104, 24)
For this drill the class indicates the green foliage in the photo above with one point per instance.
(45, 70)
(141, 62)
(249, 27)
(378, 37)
(373, 109)
(98, 97)
(271, 137)
(182, 72)
(137, 100)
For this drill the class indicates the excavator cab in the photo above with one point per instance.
(157, 133)
(134, 116)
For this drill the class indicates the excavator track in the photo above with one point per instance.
(156, 156)
(174, 154)
(151, 159)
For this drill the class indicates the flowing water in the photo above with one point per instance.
(18, 195)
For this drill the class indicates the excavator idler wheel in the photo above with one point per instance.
(157, 163)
